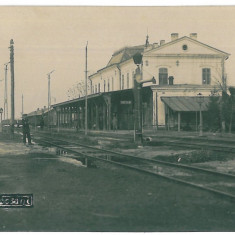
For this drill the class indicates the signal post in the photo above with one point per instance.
(137, 90)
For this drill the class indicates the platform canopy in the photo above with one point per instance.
(186, 103)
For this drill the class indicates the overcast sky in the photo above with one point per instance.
(48, 38)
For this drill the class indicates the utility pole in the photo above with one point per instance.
(5, 94)
(49, 97)
(12, 86)
(86, 93)
(22, 105)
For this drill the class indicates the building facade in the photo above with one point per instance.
(182, 67)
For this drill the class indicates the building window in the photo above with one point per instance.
(206, 76)
(95, 88)
(163, 75)
(127, 80)
(185, 47)
(122, 81)
(108, 86)
(104, 85)
(112, 83)
(92, 90)
(133, 77)
(146, 63)
(99, 88)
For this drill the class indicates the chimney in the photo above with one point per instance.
(174, 36)
(155, 44)
(162, 42)
(193, 36)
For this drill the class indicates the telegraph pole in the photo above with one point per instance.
(49, 97)
(5, 94)
(22, 105)
(86, 93)
(12, 85)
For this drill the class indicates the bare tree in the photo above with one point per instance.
(78, 90)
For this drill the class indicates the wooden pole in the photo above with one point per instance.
(86, 93)
(22, 105)
(178, 121)
(12, 86)
(5, 95)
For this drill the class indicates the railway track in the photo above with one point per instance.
(207, 146)
(196, 143)
(215, 182)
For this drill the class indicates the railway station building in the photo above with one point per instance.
(183, 68)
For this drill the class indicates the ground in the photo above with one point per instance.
(70, 197)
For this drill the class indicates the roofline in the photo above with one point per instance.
(107, 67)
(191, 39)
(127, 47)
(115, 53)
(76, 99)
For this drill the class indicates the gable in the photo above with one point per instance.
(185, 46)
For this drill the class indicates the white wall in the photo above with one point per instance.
(128, 67)
(188, 71)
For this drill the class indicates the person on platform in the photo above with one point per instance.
(26, 130)
(114, 122)
(42, 123)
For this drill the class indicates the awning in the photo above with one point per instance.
(186, 103)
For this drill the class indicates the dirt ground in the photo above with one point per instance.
(70, 197)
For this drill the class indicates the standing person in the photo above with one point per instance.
(26, 130)
(114, 122)
(42, 123)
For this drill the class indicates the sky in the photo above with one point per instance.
(54, 38)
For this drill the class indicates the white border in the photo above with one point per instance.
(116, 3)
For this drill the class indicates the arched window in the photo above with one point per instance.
(163, 75)
(206, 76)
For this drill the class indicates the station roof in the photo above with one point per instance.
(76, 100)
(186, 103)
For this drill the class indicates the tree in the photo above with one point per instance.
(212, 117)
(78, 90)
